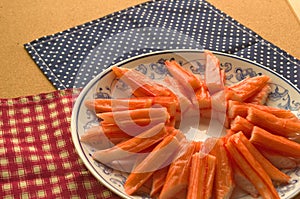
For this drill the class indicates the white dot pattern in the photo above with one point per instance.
(73, 57)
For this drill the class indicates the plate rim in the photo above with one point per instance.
(89, 85)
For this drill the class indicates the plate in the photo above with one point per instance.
(283, 95)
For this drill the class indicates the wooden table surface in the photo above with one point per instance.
(26, 20)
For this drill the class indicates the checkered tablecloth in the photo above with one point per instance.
(37, 156)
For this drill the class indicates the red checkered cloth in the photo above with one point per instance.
(37, 156)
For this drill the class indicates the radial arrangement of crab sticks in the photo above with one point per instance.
(143, 135)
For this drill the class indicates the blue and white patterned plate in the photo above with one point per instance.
(283, 95)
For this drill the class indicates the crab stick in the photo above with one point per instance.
(241, 124)
(203, 98)
(201, 177)
(260, 97)
(275, 143)
(117, 117)
(132, 146)
(247, 88)
(158, 181)
(223, 182)
(134, 127)
(279, 126)
(100, 138)
(120, 104)
(278, 160)
(251, 168)
(214, 78)
(158, 158)
(241, 108)
(274, 173)
(141, 85)
(178, 175)
(187, 79)
(243, 183)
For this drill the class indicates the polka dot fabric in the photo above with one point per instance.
(73, 57)
(37, 157)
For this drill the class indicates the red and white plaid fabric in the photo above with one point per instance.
(37, 156)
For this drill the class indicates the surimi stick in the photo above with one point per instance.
(251, 168)
(275, 143)
(163, 152)
(201, 176)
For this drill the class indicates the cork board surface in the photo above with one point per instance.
(24, 21)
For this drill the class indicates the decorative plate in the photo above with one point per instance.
(283, 95)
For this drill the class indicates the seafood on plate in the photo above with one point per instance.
(145, 133)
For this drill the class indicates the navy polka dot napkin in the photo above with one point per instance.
(88, 49)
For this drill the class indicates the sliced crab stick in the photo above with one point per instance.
(184, 84)
(274, 173)
(99, 138)
(203, 98)
(187, 79)
(251, 168)
(178, 174)
(120, 116)
(214, 78)
(243, 183)
(241, 124)
(131, 146)
(136, 126)
(141, 85)
(223, 182)
(157, 159)
(121, 104)
(279, 161)
(246, 88)
(201, 177)
(158, 181)
(275, 143)
(241, 108)
(279, 126)
(260, 97)
(108, 105)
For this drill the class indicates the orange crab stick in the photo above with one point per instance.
(178, 174)
(278, 160)
(241, 124)
(271, 170)
(108, 105)
(214, 78)
(279, 126)
(201, 176)
(223, 182)
(160, 155)
(203, 98)
(101, 138)
(260, 97)
(141, 85)
(158, 181)
(241, 108)
(135, 126)
(182, 75)
(278, 144)
(246, 88)
(251, 168)
(121, 116)
(120, 104)
(133, 145)
(243, 183)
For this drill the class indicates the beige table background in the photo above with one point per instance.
(22, 21)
